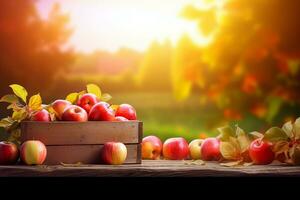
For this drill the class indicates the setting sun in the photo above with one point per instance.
(135, 24)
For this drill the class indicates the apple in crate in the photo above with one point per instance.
(195, 149)
(9, 153)
(33, 152)
(121, 119)
(176, 149)
(127, 111)
(87, 101)
(42, 116)
(151, 147)
(113, 153)
(75, 113)
(101, 112)
(210, 149)
(260, 152)
(59, 107)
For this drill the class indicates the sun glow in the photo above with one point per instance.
(112, 24)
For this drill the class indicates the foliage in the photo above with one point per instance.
(33, 49)
(251, 65)
(21, 110)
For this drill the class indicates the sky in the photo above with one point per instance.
(113, 24)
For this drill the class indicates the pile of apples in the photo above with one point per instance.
(205, 149)
(86, 106)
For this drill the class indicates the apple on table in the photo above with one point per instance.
(9, 153)
(151, 147)
(33, 152)
(176, 149)
(113, 153)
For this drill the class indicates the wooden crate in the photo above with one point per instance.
(72, 142)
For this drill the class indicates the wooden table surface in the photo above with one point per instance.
(159, 168)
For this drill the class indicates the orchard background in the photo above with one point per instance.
(240, 64)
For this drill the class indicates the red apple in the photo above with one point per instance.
(260, 152)
(33, 152)
(113, 153)
(121, 119)
(195, 149)
(87, 101)
(59, 107)
(42, 116)
(75, 113)
(151, 147)
(101, 112)
(9, 153)
(176, 149)
(210, 149)
(127, 111)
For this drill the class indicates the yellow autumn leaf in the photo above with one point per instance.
(94, 89)
(72, 97)
(35, 102)
(106, 97)
(229, 150)
(19, 115)
(20, 91)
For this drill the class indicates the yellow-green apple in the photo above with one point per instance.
(41, 115)
(33, 152)
(9, 153)
(75, 113)
(101, 112)
(210, 149)
(195, 149)
(127, 111)
(87, 101)
(121, 119)
(113, 153)
(59, 107)
(176, 149)
(151, 147)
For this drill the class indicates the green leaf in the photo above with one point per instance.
(72, 97)
(9, 98)
(275, 134)
(297, 128)
(106, 97)
(20, 91)
(243, 139)
(288, 129)
(94, 89)
(225, 133)
(35, 102)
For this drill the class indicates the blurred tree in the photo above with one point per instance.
(252, 63)
(155, 68)
(32, 50)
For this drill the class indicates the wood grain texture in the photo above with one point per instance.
(92, 132)
(160, 168)
(90, 154)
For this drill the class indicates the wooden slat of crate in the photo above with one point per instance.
(67, 133)
(86, 154)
